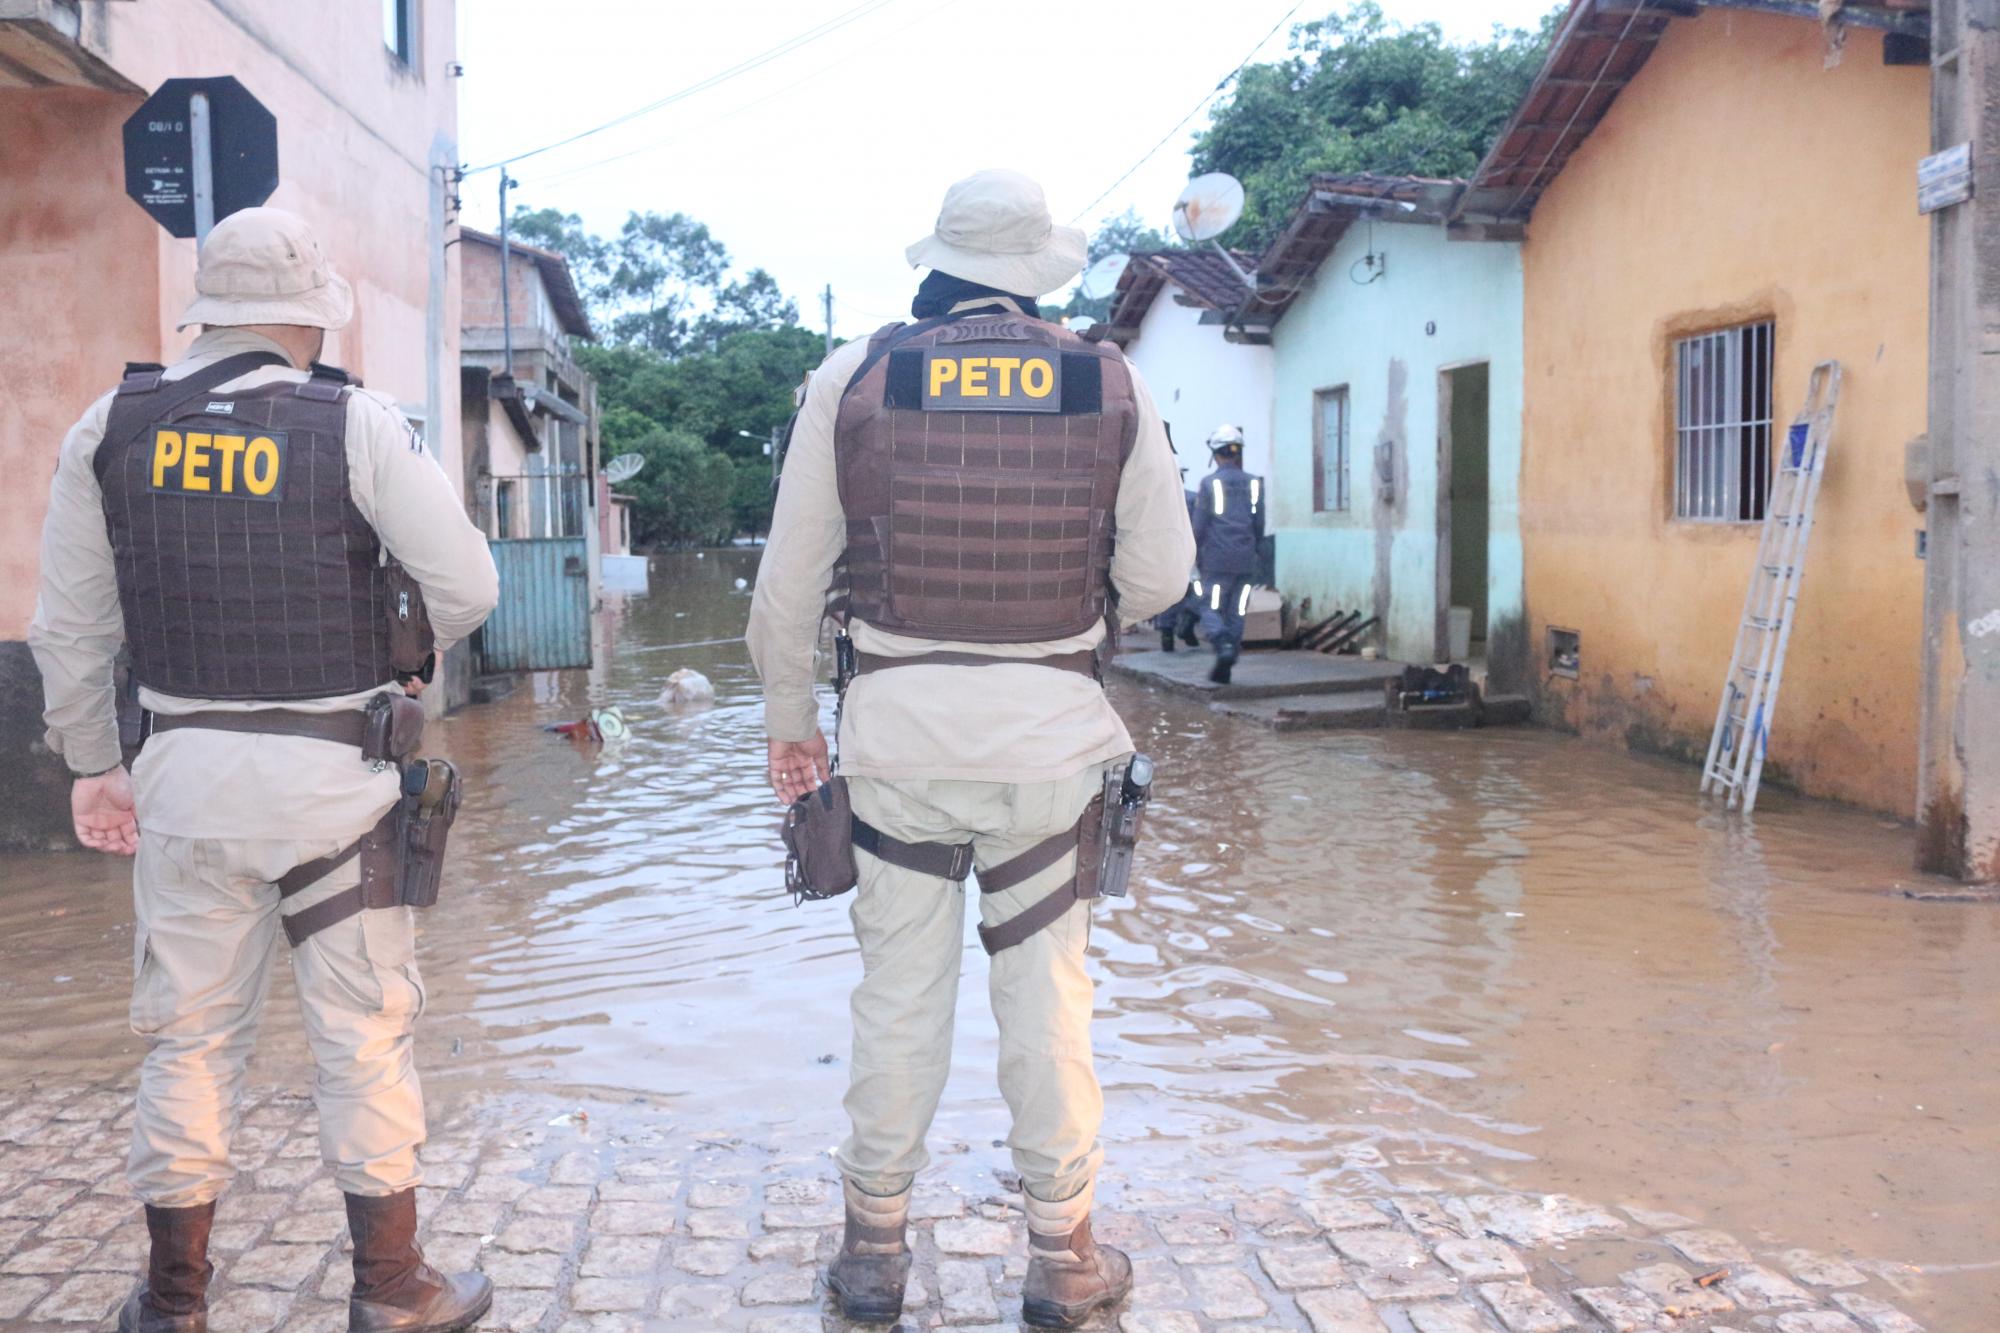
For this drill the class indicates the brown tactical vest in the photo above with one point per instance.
(244, 569)
(978, 460)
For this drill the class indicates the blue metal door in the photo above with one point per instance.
(543, 620)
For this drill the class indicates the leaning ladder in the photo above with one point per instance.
(1735, 761)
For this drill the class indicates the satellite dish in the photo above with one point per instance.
(1208, 206)
(1078, 323)
(624, 468)
(1101, 278)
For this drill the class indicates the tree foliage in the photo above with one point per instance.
(1360, 92)
(691, 357)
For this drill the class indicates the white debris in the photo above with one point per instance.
(687, 686)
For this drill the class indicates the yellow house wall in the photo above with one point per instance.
(1735, 178)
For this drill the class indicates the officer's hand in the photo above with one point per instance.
(101, 808)
(414, 686)
(798, 767)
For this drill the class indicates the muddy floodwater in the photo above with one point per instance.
(1373, 961)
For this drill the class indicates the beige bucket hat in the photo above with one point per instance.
(995, 229)
(264, 266)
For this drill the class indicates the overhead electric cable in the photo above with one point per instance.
(742, 67)
(1192, 111)
(566, 173)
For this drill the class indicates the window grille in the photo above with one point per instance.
(1722, 424)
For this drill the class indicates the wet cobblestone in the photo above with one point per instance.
(619, 1220)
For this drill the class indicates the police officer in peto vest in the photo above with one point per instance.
(1228, 530)
(264, 537)
(980, 492)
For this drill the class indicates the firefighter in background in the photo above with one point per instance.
(976, 727)
(1228, 532)
(230, 519)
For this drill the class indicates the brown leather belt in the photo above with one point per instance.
(1083, 661)
(347, 727)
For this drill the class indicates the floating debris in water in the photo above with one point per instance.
(687, 686)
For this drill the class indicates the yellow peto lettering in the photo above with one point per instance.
(194, 466)
(260, 465)
(1005, 366)
(1038, 377)
(943, 371)
(972, 377)
(166, 453)
(229, 446)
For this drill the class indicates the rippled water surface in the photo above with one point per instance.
(1380, 960)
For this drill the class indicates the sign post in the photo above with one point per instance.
(198, 150)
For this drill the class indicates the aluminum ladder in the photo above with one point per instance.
(1735, 761)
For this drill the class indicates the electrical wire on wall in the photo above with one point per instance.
(1376, 264)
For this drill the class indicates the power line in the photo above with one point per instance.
(1220, 85)
(743, 67)
(567, 173)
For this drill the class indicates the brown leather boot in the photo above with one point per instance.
(1069, 1274)
(394, 1289)
(869, 1274)
(174, 1296)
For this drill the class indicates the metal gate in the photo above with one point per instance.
(543, 620)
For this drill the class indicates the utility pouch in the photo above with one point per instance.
(411, 639)
(819, 843)
(392, 730)
(429, 808)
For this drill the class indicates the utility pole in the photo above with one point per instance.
(506, 279)
(1958, 801)
(828, 298)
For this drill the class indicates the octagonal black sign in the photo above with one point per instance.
(159, 151)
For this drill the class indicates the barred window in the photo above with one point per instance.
(1330, 450)
(1722, 424)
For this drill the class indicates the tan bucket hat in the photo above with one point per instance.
(264, 266)
(995, 229)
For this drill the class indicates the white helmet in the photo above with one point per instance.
(1225, 436)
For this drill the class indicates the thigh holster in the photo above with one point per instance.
(953, 861)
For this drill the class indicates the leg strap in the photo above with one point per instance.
(377, 875)
(946, 860)
(1036, 917)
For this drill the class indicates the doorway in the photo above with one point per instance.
(1464, 468)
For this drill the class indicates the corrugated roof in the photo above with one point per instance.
(1601, 45)
(555, 274)
(1203, 275)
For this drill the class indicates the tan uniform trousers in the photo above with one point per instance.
(208, 927)
(911, 928)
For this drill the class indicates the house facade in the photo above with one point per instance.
(1730, 204)
(1397, 420)
(1167, 313)
(366, 110)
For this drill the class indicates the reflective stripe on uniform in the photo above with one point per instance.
(1243, 600)
(1221, 501)
(1215, 596)
(1256, 490)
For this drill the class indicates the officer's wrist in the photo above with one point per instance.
(102, 772)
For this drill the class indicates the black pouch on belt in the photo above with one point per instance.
(819, 843)
(428, 808)
(393, 730)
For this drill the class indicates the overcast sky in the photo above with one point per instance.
(822, 163)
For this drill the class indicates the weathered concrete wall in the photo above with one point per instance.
(1381, 555)
(1200, 379)
(91, 282)
(1734, 179)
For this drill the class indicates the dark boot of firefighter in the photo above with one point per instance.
(975, 732)
(283, 558)
(1228, 532)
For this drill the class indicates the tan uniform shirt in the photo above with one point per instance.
(992, 724)
(209, 784)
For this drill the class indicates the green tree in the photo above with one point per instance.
(1360, 92)
(684, 495)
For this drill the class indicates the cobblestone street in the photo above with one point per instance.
(583, 1226)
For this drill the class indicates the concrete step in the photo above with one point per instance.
(1258, 675)
(1311, 712)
